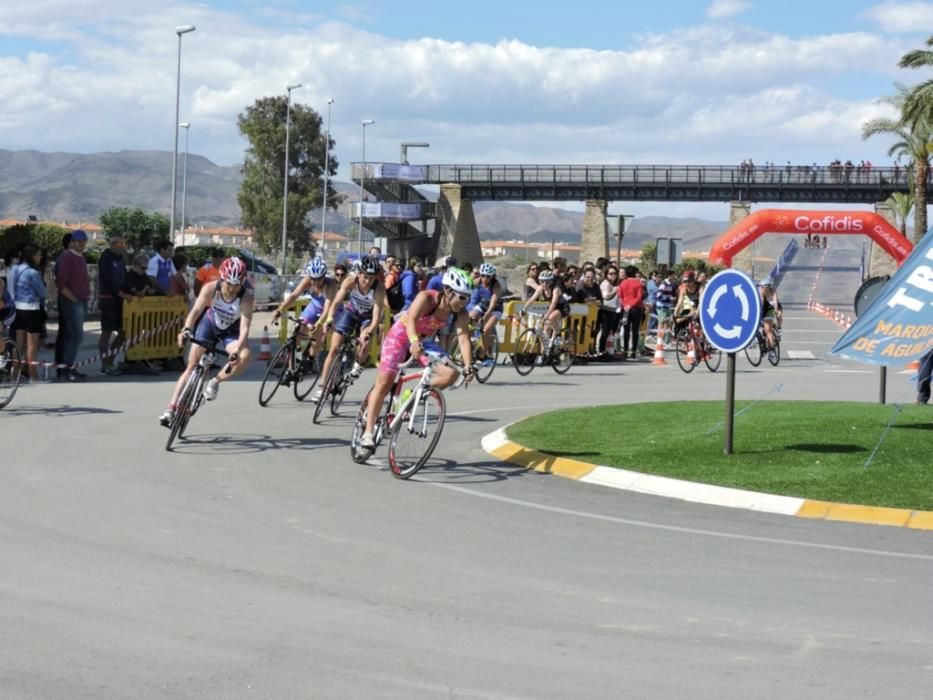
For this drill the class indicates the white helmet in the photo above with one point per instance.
(457, 280)
(487, 270)
(546, 276)
(316, 268)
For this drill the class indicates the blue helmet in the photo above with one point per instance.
(316, 268)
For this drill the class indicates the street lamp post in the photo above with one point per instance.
(365, 123)
(330, 101)
(179, 31)
(288, 113)
(184, 181)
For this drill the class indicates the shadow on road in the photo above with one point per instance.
(219, 443)
(63, 410)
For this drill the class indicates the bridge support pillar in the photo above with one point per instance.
(594, 242)
(879, 262)
(456, 232)
(744, 259)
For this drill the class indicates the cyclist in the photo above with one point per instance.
(222, 313)
(550, 290)
(485, 305)
(688, 301)
(321, 290)
(430, 311)
(772, 313)
(362, 311)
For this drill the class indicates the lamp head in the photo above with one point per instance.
(185, 29)
(293, 86)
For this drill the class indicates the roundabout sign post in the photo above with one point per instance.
(730, 313)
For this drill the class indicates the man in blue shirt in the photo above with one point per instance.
(436, 282)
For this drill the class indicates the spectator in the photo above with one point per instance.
(111, 285)
(631, 295)
(436, 283)
(161, 269)
(340, 272)
(29, 294)
(7, 309)
(411, 281)
(75, 290)
(923, 378)
(531, 282)
(825, 242)
(209, 271)
(664, 301)
(608, 316)
(62, 321)
(178, 285)
(588, 291)
(137, 281)
(651, 296)
(395, 298)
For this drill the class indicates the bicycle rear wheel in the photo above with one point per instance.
(326, 387)
(11, 370)
(275, 374)
(563, 352)
(774, 355)
(683, 347)
(413, 442)
(488, 365)
(754, 351)
(343, 383)
(711, 356)
(307, 372)
(528, 349)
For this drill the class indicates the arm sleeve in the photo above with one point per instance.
(153, 268)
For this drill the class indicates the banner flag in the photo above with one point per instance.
(897, 327)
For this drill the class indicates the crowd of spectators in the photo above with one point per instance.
(836, 171)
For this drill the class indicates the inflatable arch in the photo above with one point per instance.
(821, 223)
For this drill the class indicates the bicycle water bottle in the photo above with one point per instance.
(400, 401)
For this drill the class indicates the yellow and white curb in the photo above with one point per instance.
(500, 447)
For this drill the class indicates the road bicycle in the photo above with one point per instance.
(485, 363)
(758, 348)
(291, 366)
(10, 371)
(192, 395)
(693, 347)
(534, 348)
(339, 378)
(412, 419)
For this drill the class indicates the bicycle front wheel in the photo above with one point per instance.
(11, 370)
(528, 349)
(276, 373)
(415, 435)
(565, 349)
(774, 355)
(343, 383)
(307, 372)
(684, 346)
(185, 407)
(754, 351)
(359, 427)
(488, 364)
(711, 356)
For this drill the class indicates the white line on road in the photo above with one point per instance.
(686, 530)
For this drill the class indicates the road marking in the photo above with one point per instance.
(849, 371)
(685, 530)
(800, 355)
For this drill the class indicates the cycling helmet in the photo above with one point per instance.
(766, 282)
(546, 276)
(487, 270)
(369, 265)
(316, 268)
(233, 270)
(457, 280)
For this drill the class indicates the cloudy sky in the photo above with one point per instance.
(489, 81)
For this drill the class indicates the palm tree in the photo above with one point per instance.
(913, 142)
(901, 203)
(919, 100)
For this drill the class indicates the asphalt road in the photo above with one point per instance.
(259, 561)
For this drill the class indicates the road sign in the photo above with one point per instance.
(730, 310)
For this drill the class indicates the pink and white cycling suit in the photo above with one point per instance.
(395, 345)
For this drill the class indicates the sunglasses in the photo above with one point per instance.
(461, 297)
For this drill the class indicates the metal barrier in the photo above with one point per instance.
(163, 316)
(374, 347)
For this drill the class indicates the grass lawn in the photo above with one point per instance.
(809, 449)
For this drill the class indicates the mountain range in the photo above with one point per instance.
(73, 187)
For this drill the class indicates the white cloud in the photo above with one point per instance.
(906, 17)
(696, 95)
(718, 9)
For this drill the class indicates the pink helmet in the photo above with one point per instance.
(233, 270)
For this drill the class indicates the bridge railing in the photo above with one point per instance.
(634, 174)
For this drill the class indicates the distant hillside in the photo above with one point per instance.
(79, 187)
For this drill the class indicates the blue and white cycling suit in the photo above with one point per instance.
(357, 313)
(220, 323)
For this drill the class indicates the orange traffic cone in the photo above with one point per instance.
(659, 353)
(265, 347)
